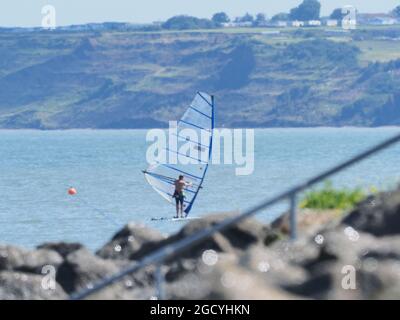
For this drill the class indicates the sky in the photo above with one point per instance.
(27, 13)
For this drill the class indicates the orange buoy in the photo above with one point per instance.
(72, 191)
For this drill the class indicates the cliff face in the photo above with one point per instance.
(52, 80)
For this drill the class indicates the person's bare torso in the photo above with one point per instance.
(180, 185)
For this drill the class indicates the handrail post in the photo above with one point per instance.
(160, 279)
(293, 216)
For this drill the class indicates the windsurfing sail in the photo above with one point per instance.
(189, 156)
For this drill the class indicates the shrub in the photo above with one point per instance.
(187, 22)
(330, 198)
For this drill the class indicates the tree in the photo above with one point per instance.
(307, 10)
(246, 18)
(187, 22)
(280, 17)
(261, 19)
(220, 18)
(337, 14)
(396, 12)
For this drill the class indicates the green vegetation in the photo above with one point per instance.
(246, 18)
(262, 77)
(260, 20)
(315, 51)
(184, 22)
(337, 14)
(331, 198)
(307, 10)
(378, 50)
(220, 18)
(282, 16)
(396, 12)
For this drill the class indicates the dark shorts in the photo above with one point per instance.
(179, 198)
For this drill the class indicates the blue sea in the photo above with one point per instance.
(38, 167)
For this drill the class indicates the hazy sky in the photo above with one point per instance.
(28, 12)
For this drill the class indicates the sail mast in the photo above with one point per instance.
(189, 207)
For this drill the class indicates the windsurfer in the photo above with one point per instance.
(179, 195)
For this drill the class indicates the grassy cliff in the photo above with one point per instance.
(51, 80)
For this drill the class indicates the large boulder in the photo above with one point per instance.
(379, 273)
(131, 239)
(342, 244)
(257, 273)
(123, 290)
(341, 253)
(237, 238)
(334, 251)
(272, 266)
(378, 214)
(380, 279)
(227, 278)
(309, 221)
(62, 248)
(22, 286)
(81, 269)
(18, 259)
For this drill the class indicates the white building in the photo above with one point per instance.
(237, 24)
(313, 23)
(297, 24)
(376, 19)
(280, 24)
(331, 23)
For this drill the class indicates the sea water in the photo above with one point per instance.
(38, 167)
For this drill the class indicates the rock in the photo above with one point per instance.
(379, 271)
(131, 239)
(123, 291)
(18, 259)
(372, 280)
(235, 239)
(273, 266)
(342, 244)
(258, 273)
(378, 215)
(241, 236)
(384, 248)
(297, 252)
(179, 267)
(308, 221)
(81, 269)
(189, 286)
(236, 283)
(61, 248)
(343, 252)
(226, 280)
(22, 286)
(379, 279)
(326, 283)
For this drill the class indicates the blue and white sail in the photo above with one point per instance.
(192, 152)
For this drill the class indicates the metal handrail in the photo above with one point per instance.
(166, 252)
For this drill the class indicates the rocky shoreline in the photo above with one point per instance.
(352, 257)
